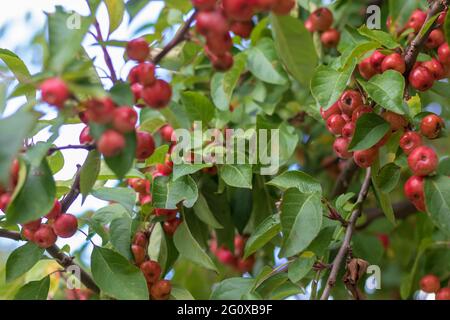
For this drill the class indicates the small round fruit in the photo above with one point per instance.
(430, 283)
(410, 141)
(340, 147)
(242, 29)
(65, 225)
(125, 119)
(138, 49)
(435, 39)
(151, 270)
(365, 158)
(45, 237)
(140, 239)
(138, 254)
(435, 67)
(350, 101)
(421, 78)
(28, 234)
(171, 226)
(335, 124)
(360, 111)
(33, 225)
(283, 7)
(376, 60)
(443, 294)
(238, 10)
(158, 95)
(396, 121)
(145, 145)
(395, 62)
(146, 74)
(416, 20)
(166, 133)
(169, 213)
(55, 92)
(423, 161)
(321, 19)
(444, 54)
(334, 109)
(414, 191)
(204, 5)
(348, 130)
(366, 69)
(161, 290)
(330, 38)
(431, 126)
(111, 143)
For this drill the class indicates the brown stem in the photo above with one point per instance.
(402, 210)
(413, 50)
(106, 55)
(64, 260)
(345, 246)
(87, 147)
(74, 192)
(179, 37)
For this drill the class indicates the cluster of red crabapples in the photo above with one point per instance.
(431, 284)
(321, 20)
(424, 73)
(7, 191)
(233, 259)
(215, 20)
(58, 224)
(158, 289)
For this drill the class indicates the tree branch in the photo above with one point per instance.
(418, 42)
(106, 55)
(345, 246)
(179, 37)
(64, 260)
(87, 147)
(345, 178)
(74, 192)
(402, 210)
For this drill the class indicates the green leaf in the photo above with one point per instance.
(437, 197)
(13, 131)
(65, 33)
(383, 199)
(157, 246)
(167, 194)
(21, 260)
(239, 176)
(107, 214)
(184, 169)
(301, 220)
(296, 179)
(387, 90)
(121, 93)
(116, 10)
(34, 290)
(370, 129)
(116, 276)
(20, 71)
(384, 38)
(328, 84)
(56, 162)
(179, 293)
(262, 62)
(223, 84)
(263, 233)
(447, 28)
(123, 162)
(388, 177)
(203, 212)
(198, 107)
(190, 249)
(295, 47)
(159, 156)
(120, 233)
(444, 166)
(232, 289)
(36, 197)
(301, 266)
(89, 173)
(125, 196)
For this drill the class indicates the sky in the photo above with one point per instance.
(18, 35)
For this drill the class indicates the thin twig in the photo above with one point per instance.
(74, 192)
(179, 38)
(106, 55)
(343, 250)
(64, 260)
(87, 147)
